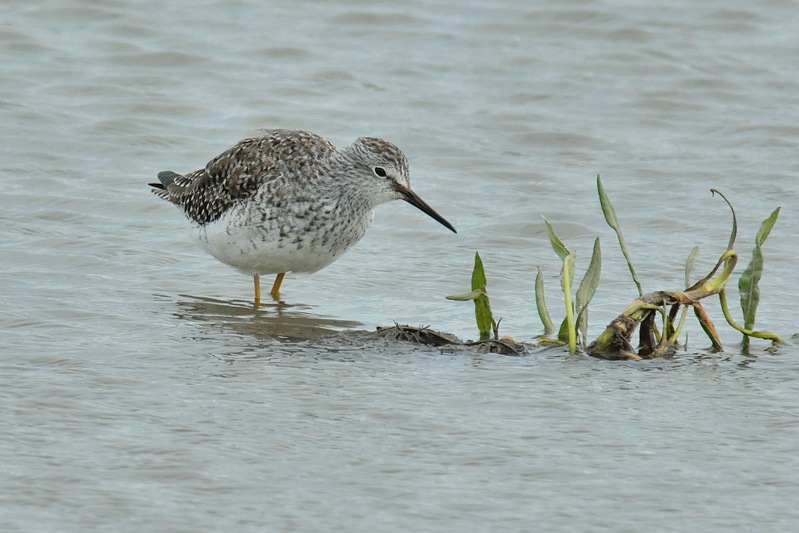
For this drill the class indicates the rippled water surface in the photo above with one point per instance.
(141, 392)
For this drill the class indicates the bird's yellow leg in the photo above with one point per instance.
(275, 292)
(256, 280)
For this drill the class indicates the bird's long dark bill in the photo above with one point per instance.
(413, 199)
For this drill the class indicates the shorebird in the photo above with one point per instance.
(289, 201)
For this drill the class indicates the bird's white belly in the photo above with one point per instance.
(272, 247)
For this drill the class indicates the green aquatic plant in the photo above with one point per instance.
(690, 265)
(541, 305)
(482, 306)
(614, 342)
(568, 330)
(575, 323)
(748, 284)
(655, 337)
(610, 217)
(587, 289)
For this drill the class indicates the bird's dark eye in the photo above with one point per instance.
(380, 171)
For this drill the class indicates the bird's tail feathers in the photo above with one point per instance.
(166, 178)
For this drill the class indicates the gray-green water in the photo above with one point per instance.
(141, 392)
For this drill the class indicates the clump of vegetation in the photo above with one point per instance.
(482, 307)
(490, 341)
(658, 316)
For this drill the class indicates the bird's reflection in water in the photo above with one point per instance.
(279, 321)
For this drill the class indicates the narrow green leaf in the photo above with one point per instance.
(567, 279)
(478, 274)
(590, 281)
(607, 207)
(561, 249)
(563, 332)
(541, 305)
(749, 289)
(610, 218)
(467, 296)
(482, 308)
(568, 268)
(734, 232)
(749, 282)
(765, 227)
(588, 288)
(690, 265)
(482, 314)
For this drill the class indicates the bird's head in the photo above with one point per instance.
(383, 169)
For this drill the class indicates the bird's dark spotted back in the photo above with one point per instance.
(236, 174)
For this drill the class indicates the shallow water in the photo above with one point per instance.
(141, 391)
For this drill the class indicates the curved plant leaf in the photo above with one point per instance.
(748, 284)
(541, 305)
(566, 280)
(561, 249)
(610, 218)
(734, 232)
(482, 307)
(588, 288)
(690, 265)
(466, 296)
